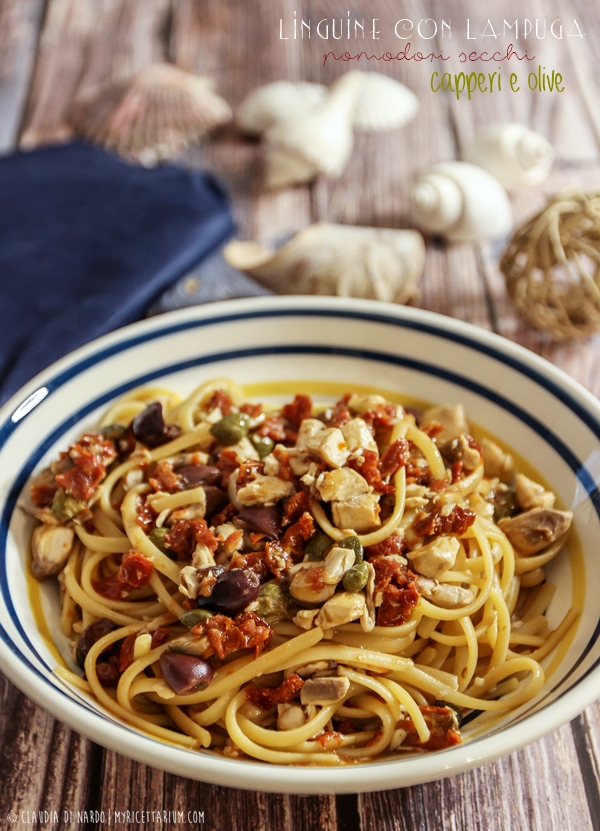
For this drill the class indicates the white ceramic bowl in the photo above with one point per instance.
(535, 408)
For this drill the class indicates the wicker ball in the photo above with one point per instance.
(552, 267)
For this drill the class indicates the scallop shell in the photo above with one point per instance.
(383, 104)
(462, 202)
(315, 142)
(344, 260)
(513, 153)
(279, 101)
(151, 117)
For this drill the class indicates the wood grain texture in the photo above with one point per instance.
(553, 784)
(20, 22)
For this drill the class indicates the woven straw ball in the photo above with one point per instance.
(552, 267)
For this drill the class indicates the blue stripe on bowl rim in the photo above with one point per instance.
(6, 430)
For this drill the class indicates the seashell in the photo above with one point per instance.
(462, 202)
(344, 260)
(279, 101)
(512, 153)
(383, 104)
(318, 141)
(151, 117)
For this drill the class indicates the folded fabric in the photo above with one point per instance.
(88, 243)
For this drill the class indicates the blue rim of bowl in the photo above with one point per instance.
(10, 425)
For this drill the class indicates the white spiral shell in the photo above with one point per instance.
(460, 201)
(514, 154)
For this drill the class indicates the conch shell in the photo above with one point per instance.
(279, 101)
(317, 141)
(513, 153)
(460, 201)
(343, 260)
(151, 117)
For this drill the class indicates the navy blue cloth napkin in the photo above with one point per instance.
(88, 243)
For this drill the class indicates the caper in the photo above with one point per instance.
(263, 444)
(354, 544)
(231, 428)
(274, 604)
(113, 431)
(195, 616)
(65, 507)
(157, 537)
(356, 577)
(316, 547)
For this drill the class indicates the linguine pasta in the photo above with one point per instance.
(304, 585)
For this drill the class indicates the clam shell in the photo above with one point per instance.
(318, 141)
(514, 154)
(461, 201)
(344, 260)
(151, 117)
(279, 101)
(383, 104)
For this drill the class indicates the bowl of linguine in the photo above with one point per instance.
(349, 541)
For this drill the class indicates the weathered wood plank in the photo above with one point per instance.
(532, 790)
(84, 43)
(20, 22)
(44, 765)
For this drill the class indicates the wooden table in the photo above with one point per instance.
(50, 49)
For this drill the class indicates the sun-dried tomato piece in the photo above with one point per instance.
(442, 725)
(42, 493)
(266, 697)
(281, 554)
(395, 457)
(285, 470)
(249, 471)
(299, 409)
(395, 593)
(126, 652)
(165, 479)
(383, 415)
(394, 544)
(147, 517)
(245, 631)
(433, 429)
(90, 456)
(417, 475)
(296, 505)
(186, 534)
(135, 570)
(228, 512)
(435, 523)
(457, 471)
(254, 560)
(253, 410)
(273, 428)
(277, 559)
(298, 534)
(367, 467)
(160, 636)
(227, 463)
(134, 573)
(220, 399)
